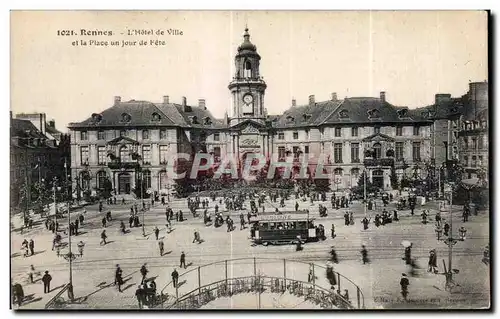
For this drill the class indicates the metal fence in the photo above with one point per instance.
(198, 285)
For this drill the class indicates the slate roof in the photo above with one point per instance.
(307, 115)
(200, 113)
(444, 109)
(52, 130)
(21, 131)
(382, 137)
(357, 111)
(141, 114)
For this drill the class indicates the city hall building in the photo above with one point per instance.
(104, 146)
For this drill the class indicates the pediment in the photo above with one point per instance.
(122, 140)
(248, 127)
(379, 137)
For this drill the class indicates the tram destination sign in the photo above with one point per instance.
(283, 217)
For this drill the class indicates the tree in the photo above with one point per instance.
(360, 188)
(394, 179)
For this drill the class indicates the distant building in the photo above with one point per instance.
(37, 152)
(104, 145)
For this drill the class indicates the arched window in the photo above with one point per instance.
(378, 172)
(124, 154)
(126, 118)
(146, 175)
(101, 179)
(338, 172)
(247, 73)
(377, 150)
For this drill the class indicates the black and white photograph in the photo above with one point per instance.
(249, 160)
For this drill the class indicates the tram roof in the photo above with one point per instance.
(284, 216)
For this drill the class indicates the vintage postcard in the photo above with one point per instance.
(166, 160)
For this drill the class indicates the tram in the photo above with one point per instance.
(283, 228)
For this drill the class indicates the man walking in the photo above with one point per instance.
(175, 278)
(46, 282)
(80, 246)
(103, 238)
(119, 277)
(161, 245)
(144, 271)
(157, 232)
(183, 260)
(32, 247)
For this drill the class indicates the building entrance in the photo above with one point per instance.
(124, 183)
(378, 178)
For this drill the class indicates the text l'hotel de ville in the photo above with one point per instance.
(151, 37)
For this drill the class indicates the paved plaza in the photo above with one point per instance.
(93, 274)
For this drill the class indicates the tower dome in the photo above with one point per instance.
(247, 45)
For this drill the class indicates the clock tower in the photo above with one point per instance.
(247, 87)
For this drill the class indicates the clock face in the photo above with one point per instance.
(248, 99)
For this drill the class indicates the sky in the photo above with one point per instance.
(411, 55)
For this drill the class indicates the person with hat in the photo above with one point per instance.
(432, 261)
(404, 283)
(46, 282)
(364, 254)
(330, 274)
(119, 277)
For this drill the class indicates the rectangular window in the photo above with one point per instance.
(281, 135)
(416, 130)
(281, 152)
(337, 152)
(480, 143)
(376, 130)
(306, 149)
(466, 143)
(216, 137)
(146, 154)
(145, 135)
(354, 152)
(295, 151)
(217, 154)
(84, 136)
(480, 160)
(123, 133)
(354, 131)
(163, 134)
(466, 161)
(84, 154)
(474, 143)
(416, 151)
(399, 131)
(338, 132)
(101, 135)
(163, 154)
(295, 135)
(474, 161)
(101, 155)
(307, 134)
(399, 151)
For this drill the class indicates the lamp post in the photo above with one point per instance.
(54, 184)
(70, 257)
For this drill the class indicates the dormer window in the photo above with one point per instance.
(96, 118)
(307, 117)
(126, 118)
(344, 114)
(453, 109)
(424, 114)
(373, 114)
(207, 121)
(194, 120)
(290, 119)
(155, 117)
(403, 113)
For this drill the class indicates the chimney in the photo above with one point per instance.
(43, 122)
(166, 99)
(118, 99)
(441, 97)
(312, 101)
(52, 123)
(382, 96)
(201, 104)
(294, 103)
(184, 103)
(334, 96)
